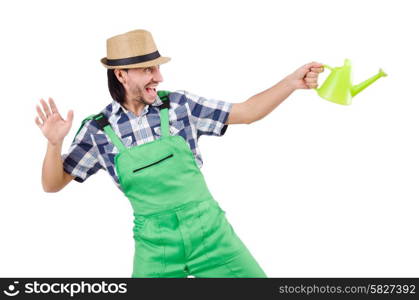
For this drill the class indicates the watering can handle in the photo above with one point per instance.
(327, 67)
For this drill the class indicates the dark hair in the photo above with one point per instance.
(116, 89)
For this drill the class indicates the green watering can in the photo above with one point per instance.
(338, 86)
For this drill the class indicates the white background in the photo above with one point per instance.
(314, 189)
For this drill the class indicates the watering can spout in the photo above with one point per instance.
(356, 89)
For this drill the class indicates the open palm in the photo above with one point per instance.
(52, 125)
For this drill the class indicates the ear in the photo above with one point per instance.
(121, 75)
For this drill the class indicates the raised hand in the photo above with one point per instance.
(52, 125)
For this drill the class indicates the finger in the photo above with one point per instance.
(317, 70)
(70, 116)
(310, 66)
(46, 108)
(314, 65)
(312, 85)
(54, 108)
(311, 75)
(38, 122)
(310, 80)
(41, 113)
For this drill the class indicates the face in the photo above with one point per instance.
(141, 83)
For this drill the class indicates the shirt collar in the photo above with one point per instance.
(117, 108)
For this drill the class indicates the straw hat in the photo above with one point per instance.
(134, 49)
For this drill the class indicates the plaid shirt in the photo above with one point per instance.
(190, 116)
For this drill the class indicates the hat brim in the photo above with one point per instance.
(150, 63)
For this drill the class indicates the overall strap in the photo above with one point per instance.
(82, 124)
(164, 113)
(103, 123)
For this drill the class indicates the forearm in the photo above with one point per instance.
(53, 177)
(259, 105)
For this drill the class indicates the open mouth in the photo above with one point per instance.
(151, 91)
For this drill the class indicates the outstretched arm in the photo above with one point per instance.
(258, 106)
(54, 128)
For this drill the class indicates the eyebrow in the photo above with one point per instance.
(152, 67)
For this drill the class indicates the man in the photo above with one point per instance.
(148, 142)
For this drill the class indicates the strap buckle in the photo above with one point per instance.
(166, 104)
(101, 120)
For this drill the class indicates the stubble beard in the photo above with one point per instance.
(141, 97)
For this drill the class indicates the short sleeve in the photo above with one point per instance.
(81, 161)
(208, 115)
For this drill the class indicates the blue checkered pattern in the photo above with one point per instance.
(190, 116)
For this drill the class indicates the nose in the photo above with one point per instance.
(157, 75)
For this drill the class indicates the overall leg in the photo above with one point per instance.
(159, 249)
(242, 265)
(220, 252)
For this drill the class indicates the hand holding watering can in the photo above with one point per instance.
(306, 76)
(337, 87)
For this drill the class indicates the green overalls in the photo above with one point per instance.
(179, 228)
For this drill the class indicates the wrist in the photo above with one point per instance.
(55, 144)
(289, 84)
